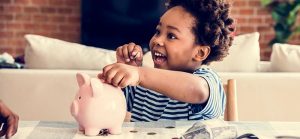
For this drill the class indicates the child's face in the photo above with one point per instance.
(173, 44)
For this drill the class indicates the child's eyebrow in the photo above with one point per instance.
(173, 28)
(170, 27)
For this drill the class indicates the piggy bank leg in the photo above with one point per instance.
(91, 131)
(81, 129)
(115, 130)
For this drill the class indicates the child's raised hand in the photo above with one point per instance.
(120, 75)
(130, 54)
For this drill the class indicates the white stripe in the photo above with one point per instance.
(178, 110)
(177, 105)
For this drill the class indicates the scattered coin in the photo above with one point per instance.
(133, 131)
(170, 127)
(151, 133)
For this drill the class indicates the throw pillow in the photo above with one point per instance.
(244, 55)
(49, 53)
(285, 57)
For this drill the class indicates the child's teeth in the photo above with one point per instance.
(157, 54)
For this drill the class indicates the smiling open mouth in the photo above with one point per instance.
(159, 58)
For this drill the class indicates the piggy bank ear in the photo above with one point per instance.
(97, 87)
(82, 79)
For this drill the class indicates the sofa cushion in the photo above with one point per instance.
(244, 55)
(285, 57)
(49, 53)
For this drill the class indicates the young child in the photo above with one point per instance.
(189, 34)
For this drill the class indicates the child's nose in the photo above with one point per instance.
(159, 41)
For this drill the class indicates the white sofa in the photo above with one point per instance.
(46, 88)
(47, 94)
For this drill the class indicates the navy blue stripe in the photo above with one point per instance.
(151, 112)
(156, 94)
(151, 119)
(129, 98)
(176, 108)
(138, 102)
(175, 113)
(174, 118)
(139, 97)
(139, 109)
(136, 119)
(141, 89)
(155, 110)
(176, 102)
(156, 105)
(142, 114)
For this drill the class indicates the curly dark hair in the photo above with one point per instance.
(213, 26)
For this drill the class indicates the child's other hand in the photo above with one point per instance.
(130, 54)
(8, 121)
(120, 75)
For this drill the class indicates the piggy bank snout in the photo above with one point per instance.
(74, 108)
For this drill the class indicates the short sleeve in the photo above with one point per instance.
(129, 95)
(215, 105)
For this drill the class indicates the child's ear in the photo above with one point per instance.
(201, 53)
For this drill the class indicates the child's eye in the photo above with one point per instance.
(171, 36)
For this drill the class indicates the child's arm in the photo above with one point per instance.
(177, 85)
(130, 54)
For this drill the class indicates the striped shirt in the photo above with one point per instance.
(148, 105)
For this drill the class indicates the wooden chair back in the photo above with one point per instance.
(231, 111)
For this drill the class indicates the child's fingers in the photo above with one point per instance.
(120, 56)
(105, 70)
(124, 82)
(130, 48)
(125, 52)
(139, 57)
(110, 74)
(117, 79)
(12, 125)
(129, 53)
(136, 52)
(100, 76)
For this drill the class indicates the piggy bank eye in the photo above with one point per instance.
(79, 97)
